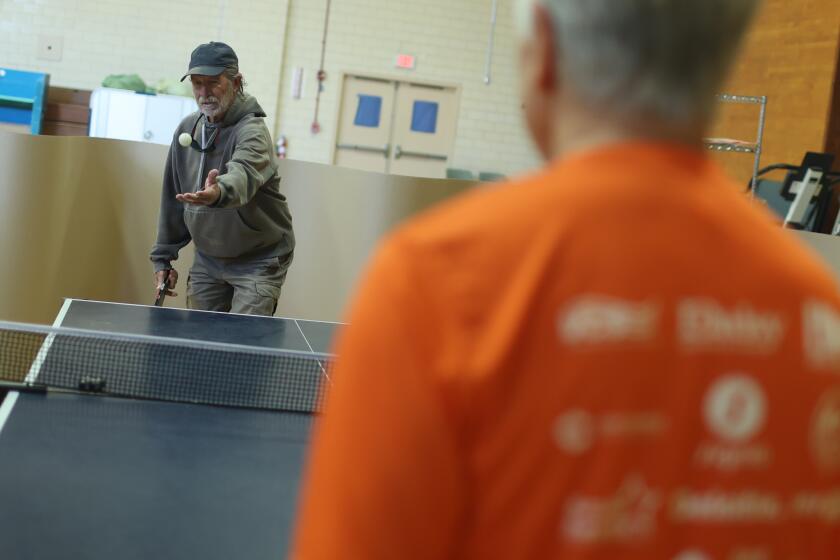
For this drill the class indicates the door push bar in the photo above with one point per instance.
(373, 149)
(399, 152)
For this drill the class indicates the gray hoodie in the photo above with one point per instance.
(251, 219)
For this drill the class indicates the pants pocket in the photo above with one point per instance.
(205, 293)
(257, 298)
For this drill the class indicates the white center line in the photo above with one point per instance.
(320, 365)
(32, 375)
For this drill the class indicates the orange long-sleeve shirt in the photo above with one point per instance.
(619, 357)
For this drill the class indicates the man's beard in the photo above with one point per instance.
(213, 107)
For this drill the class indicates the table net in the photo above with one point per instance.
(146, 367)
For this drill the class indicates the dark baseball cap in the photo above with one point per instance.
(211, 59)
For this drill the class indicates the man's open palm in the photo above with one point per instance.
(207, 196)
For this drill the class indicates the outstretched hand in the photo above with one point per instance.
(207, 196)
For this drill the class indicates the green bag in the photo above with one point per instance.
(131, 82)
(174, 87)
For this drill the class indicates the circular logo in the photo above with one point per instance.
(735, 408)
(825, 431)
(574, 431)
(691, 555)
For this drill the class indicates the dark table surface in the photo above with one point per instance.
(99, 477)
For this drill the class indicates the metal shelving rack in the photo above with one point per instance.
(739, 146)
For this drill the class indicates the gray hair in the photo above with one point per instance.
(231, 73)
(659, 58)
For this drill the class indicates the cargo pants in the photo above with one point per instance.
(250, 287)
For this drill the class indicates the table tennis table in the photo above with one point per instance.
(101, 477)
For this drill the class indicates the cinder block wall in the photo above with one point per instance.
(153, 38)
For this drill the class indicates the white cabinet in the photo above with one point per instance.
(126, 115)
(117, 114)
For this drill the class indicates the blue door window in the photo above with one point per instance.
(424, 117)
(368, 111)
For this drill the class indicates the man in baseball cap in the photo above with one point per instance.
(221, 191)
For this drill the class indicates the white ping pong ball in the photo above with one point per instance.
(185, 139)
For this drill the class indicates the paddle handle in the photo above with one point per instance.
(161, 290)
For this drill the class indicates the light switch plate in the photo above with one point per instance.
(50, 47)
(297, 82)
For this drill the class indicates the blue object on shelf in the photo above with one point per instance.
(23, 97)
(424, 117)
(369, 111)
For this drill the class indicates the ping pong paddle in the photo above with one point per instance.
(161, 290)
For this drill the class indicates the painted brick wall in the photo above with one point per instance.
(152, 38)
(791, 57)
(449, 39)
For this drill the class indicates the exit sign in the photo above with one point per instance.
(406, 61)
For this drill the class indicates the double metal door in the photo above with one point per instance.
(398, 127)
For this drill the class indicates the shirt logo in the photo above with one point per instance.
(825, 431)
(735, 411)
(721, 507)
(820, 506)
(735, 408)
(604, 320)
(693, 554)
(627, 515)
(821, 335)
(704, 325)
(576, 430)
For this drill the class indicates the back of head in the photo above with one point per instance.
(662, 59)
